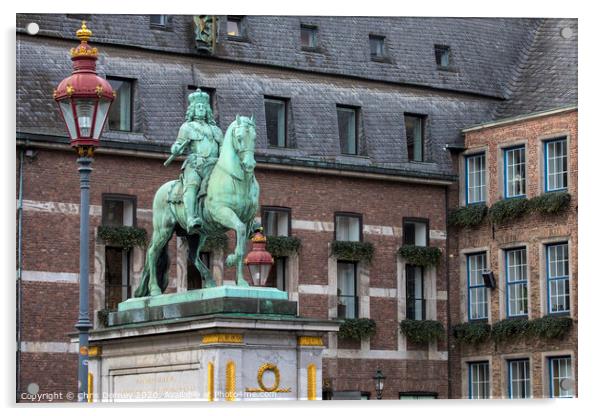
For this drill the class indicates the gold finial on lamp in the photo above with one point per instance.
(84, 33)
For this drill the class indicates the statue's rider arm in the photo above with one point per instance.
(217, 135)
(183, 136)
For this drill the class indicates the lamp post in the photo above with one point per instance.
(379, 384)
(259, 260)
(84, 99)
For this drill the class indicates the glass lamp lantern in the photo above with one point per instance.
(83, 97)
(379, 384)
(259, 260)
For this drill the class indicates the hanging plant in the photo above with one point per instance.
(126, 237)
(422, 332)
(550, 203)
(352, 250)
(420, 256)
(472, 332)
(468, 216)
(357, 328)
(550, 327)
(509, 329)
(282, 246)
(506, 210)
(216, 241)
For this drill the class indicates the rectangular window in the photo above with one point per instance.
(118, 210)
(276, 221)
(556, 169)
(415, 302)
(347, 118)
(348, 227)
(561, 380)
(309, 36)
(558, 277)
(275, 119)
(234, 26)
(120, 113)
(476, 188)
(478, 307)
(516, 282)
(277, 276)
(346, 290)
(519, 379)
(478, 380)
(194, 279)
(515, 172)
(158, 20)
(415, 232)
(417, 395)
(442, 56)
(415, 137)
(377, 46)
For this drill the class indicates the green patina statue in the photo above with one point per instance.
(216, 191)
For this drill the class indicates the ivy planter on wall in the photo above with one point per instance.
(282, 246)
(468, 216)
(352, 250)
(550, 203)
(422, 332)
(357, 328)
(506, 210)
(546, 328)
(472, 333)
(126, 237)
(420, 256)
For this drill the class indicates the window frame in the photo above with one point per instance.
(524, 281)
(551, 377)
(242, 36)
(356, 116)
(470, 379)
(349, 214)
(411, 298)
(382, 38)
(416, 219)
(548, 278)
(422, 118)
(545, 163)
(355, 287)
(315, 30)
(285, 101)
(118, 197)
(466, 176)
(446, 48)
(132, 83)
(267, 208)
(509, 372)
(468, 295)
(506, 150)
(412, 395)
(154, 25)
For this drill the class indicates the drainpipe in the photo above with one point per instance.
(449, 326)
(19, 270)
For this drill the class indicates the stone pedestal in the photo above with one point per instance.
(208, 344)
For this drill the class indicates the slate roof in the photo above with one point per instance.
(546, 76)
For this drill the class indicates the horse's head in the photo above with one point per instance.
(243, 142)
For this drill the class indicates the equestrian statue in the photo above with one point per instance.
(216, 191)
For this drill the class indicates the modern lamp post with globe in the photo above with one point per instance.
(84, 99)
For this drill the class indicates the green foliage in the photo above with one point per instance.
(550, 203)
(357, 328)
(126, 237)
(215, 241)
(420, 256)
(468, 216)
(282, 246)
(508, 209)
(548, 327)
(422, 332)
(472, 332)
(352, 250)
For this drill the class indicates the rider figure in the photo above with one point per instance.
(200, 138)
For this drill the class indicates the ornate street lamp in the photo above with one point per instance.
(379, 384)
(84, 99)
(259, 260)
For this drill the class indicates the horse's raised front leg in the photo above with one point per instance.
(229, 219)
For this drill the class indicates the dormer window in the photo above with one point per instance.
(442, 56)
(377, 47)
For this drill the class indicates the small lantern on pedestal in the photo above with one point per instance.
(259, 260)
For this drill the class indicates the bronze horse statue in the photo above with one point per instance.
(231, 203)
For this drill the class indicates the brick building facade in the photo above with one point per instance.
(409, 102)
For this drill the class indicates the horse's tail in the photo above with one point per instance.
(162, 274)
